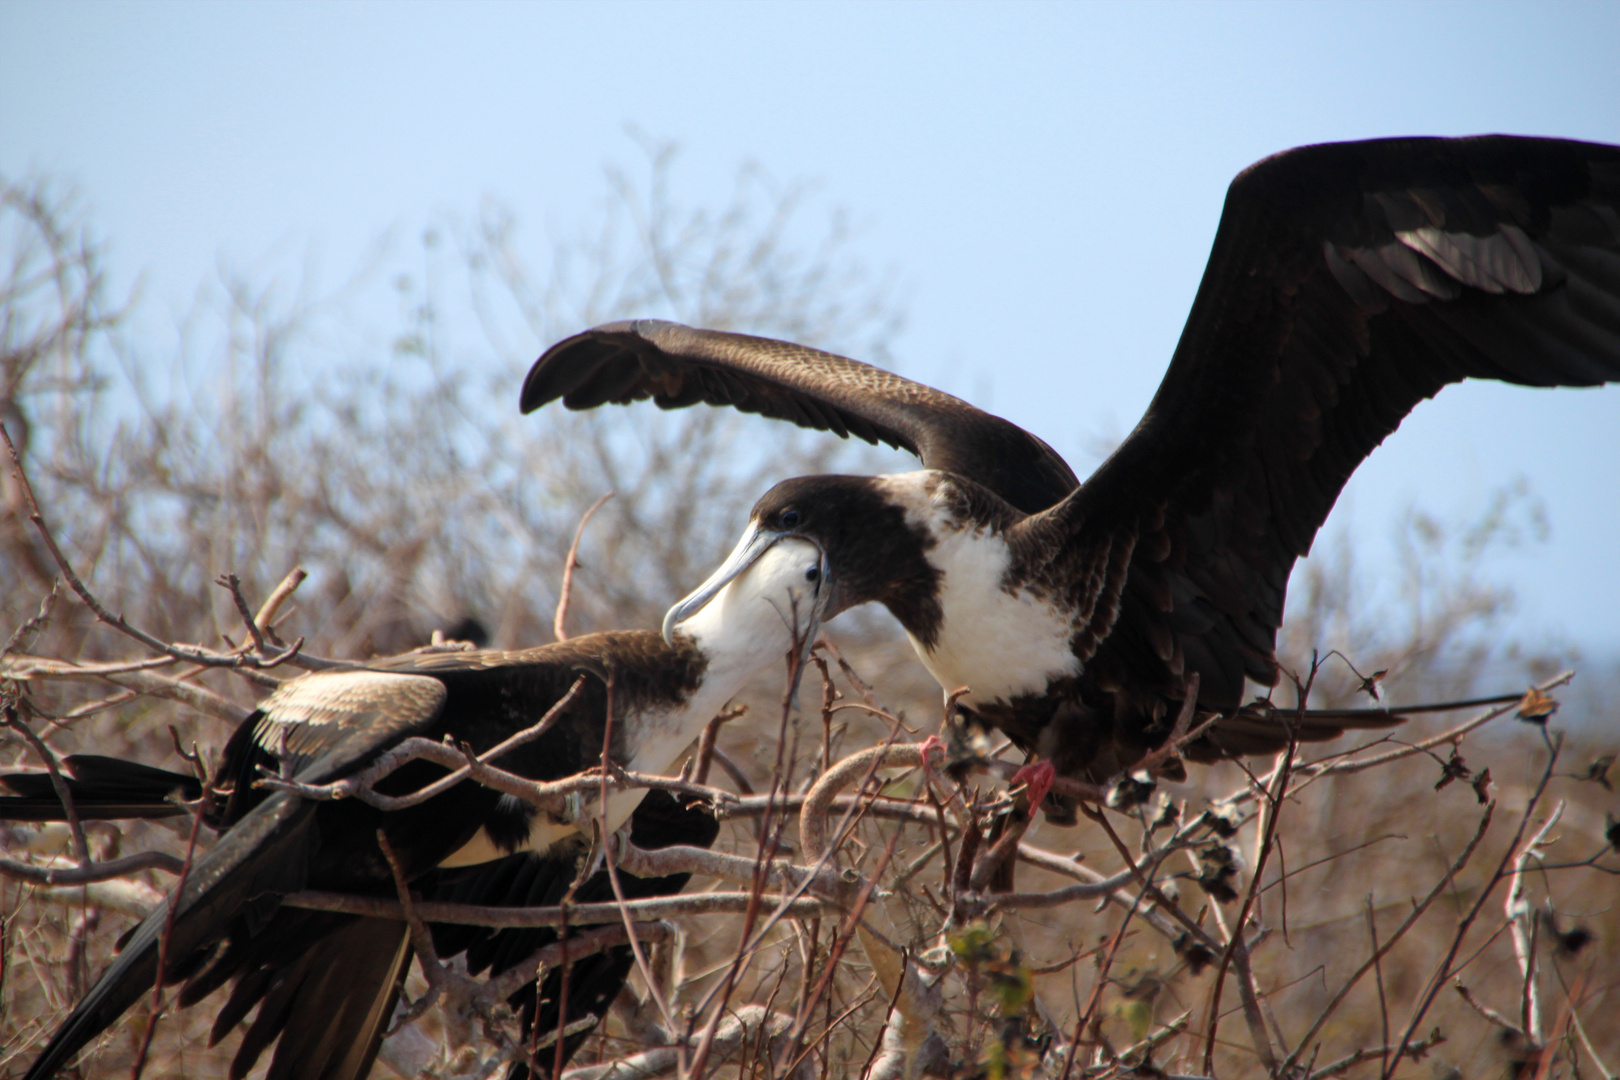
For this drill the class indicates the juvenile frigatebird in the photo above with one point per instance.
(326, 983)
(1347, 283)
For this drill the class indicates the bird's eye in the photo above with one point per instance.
(789, 519)
(813, 574)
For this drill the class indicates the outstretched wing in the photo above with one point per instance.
(1347, 283)
(676, 366)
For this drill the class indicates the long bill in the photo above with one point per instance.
(754, 543)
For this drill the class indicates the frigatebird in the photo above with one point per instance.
(324, 983)
(1347, 283)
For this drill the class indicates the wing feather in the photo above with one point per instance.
(320, 723)
(675, 366)
(1347, 283)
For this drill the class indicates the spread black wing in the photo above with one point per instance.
(676, 366)
(1347, 283)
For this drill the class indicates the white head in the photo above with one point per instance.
(761, 612)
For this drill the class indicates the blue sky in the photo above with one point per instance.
(1043, 179)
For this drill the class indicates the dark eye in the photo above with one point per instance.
(813, 574)
(789, 519)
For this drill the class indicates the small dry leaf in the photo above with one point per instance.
(1566, 942)
(1220, 867)
(1482, 787)
(1168, 812)
(1535, 707)
(1453, 768)
(1369, 684)
(1416, 1051)
(1223, 822)
(1131, 791)
(1598, 772)
(1197, 955)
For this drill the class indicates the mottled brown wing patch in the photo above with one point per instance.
(325, 720)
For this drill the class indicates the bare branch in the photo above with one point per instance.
(559, 623)
(176, 898)
(746, 1025)
(1314, 770)
(1491, 1015)
(579, 945)
(194, 655)
(661, 907)
(278, 596)
(1416, 913)
(818, 803)
(1372, 1053)
(360, 785)
(91, 871)
(1442, 972)
(1523, 924)
(233, 585)
(1236, 952)
(81, 847)
(133, 675)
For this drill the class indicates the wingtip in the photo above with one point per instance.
(570, 361)
(537, 388)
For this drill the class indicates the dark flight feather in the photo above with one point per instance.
(676, 366)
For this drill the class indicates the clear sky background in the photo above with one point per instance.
(1045, 180)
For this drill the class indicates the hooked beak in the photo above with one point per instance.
(754, 543)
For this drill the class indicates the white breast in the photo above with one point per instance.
(996, 642)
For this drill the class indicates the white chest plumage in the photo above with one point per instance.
(997, 642)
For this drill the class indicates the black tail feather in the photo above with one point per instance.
(331, 1007)
(1263, 729)
(102, 788)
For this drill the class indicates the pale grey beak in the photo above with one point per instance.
(754, 543)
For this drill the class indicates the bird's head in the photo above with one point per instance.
(772, 601)
(872, 531)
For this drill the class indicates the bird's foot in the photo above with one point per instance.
(1037, 779)
(927, 747)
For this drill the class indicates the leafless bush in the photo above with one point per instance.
(872, 930)
(1305, 918)
(1432, 622)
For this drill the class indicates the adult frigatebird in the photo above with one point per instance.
(325, 984)
(1347, 283)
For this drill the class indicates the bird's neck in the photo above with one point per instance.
(734, 648)
(948, 520)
